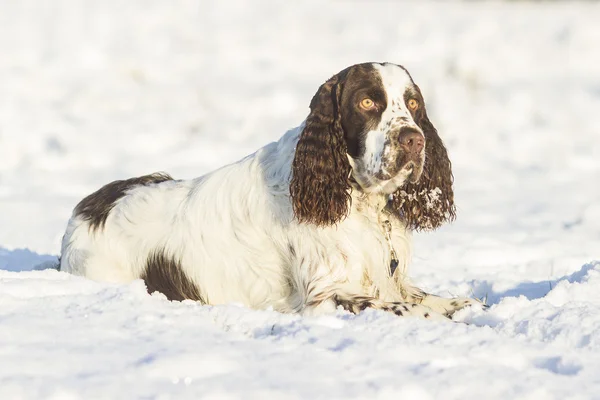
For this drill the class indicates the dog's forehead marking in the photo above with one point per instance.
(395, 81)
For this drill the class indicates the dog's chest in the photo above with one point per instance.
(368, 246)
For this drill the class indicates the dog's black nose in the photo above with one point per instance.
(412, 141)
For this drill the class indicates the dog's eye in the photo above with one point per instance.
(413, 104)
(367, 104)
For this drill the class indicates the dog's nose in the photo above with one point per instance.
(412, 141)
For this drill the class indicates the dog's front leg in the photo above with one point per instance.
(356, 304)
(441, 305)
(322, 299)
(328, 301)
(320, 295)
(316, 293)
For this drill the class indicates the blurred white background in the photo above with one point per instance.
(96, 91)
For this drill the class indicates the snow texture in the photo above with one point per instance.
(97, 91)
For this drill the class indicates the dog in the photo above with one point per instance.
(321, 219)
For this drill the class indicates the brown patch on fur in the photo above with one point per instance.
(354, 304)
(429, 203)
(96, 207)
(319, 189)
(164, 274)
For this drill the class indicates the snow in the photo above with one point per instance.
(97, 91)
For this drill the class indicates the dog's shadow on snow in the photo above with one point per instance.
(26, 260)
(531, 290)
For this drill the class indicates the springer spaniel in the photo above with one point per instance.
(320, 219)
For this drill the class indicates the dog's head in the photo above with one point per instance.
(368, 130)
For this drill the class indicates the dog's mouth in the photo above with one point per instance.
(407, 168)
(383, 182)
(415, 169)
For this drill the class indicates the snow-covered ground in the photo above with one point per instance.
(96, 91)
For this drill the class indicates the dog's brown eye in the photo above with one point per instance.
(367, 103)
(413, 104)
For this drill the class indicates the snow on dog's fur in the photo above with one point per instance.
(320, 219)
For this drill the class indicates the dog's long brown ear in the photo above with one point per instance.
(319, 188)
(429, 203)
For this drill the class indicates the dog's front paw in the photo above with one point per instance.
(448, 307)
(459, 303)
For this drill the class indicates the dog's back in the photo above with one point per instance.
(184, 238)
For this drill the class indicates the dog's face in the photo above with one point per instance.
(368, 130)
(386, 147)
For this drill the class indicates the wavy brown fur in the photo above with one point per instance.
(429, 203)
(319, 188)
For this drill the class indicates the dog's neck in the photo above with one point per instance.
(375, 203)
